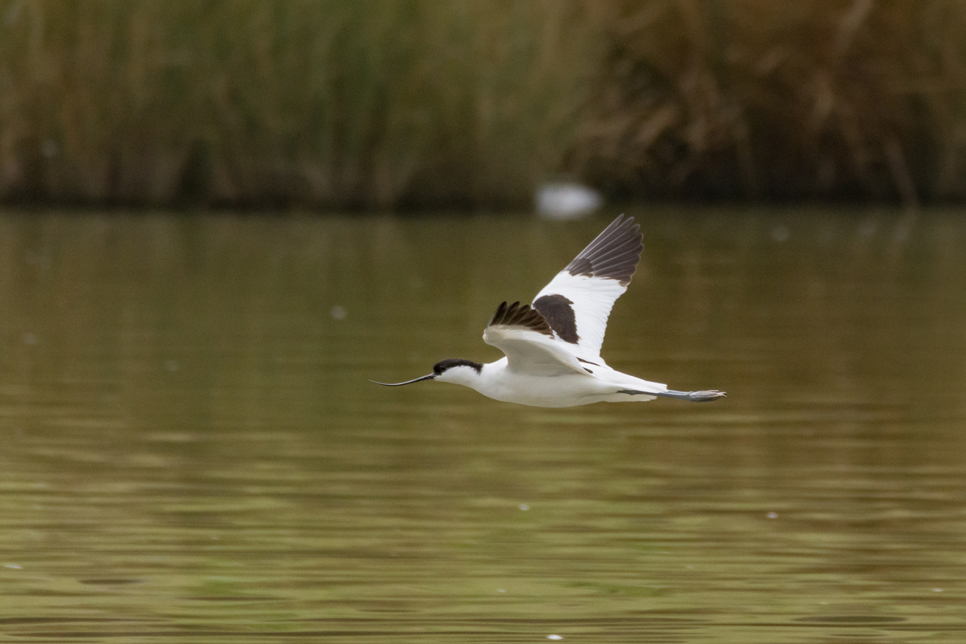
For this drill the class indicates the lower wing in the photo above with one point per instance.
(524, 337)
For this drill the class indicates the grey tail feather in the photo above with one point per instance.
(691, 396)
(706, 395)
(633, 392)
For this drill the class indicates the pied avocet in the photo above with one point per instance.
(552, 346)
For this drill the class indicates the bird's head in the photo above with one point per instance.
(454, 370)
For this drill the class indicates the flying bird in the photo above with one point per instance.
(552, 346)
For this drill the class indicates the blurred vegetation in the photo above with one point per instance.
(340, 103)
(471, 103)
(781, 99)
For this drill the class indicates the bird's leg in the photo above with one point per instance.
(693, 396)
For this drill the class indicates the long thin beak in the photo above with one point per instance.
(408, 382)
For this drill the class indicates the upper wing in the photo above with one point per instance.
(527, 340)
(577, 302)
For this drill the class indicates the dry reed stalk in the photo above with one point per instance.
(788, 99)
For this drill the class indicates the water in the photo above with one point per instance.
(192, 452)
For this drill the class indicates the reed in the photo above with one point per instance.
(783, 100)
(471, 103)
(334, 103)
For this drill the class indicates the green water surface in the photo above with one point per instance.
(190, 450)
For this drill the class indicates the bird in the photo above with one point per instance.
(552, 346)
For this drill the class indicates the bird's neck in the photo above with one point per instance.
(488, 374)
(473, 378)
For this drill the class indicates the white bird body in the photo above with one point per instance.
(552, 347)
(498, 381)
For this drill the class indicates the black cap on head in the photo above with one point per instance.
(449, 363)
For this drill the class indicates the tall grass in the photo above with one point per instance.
(781, 99)
(337, 103)
(428, 103)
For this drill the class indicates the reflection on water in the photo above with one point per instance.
(191, 449)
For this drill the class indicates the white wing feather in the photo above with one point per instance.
(532, 352)
(583, 294)
(592, 299)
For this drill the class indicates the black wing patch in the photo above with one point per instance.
(558, 311)
(517, 314)
(614, 254)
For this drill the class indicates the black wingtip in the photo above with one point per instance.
(517, 314)
(614, 253)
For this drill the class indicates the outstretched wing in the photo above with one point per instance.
(577, 302)
(524, 336)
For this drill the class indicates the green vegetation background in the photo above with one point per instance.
(472, 103)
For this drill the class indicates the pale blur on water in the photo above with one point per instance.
(191, 450)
